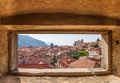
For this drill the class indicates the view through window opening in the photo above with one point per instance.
(59, 51)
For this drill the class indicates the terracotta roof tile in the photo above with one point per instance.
(65, 61)
(95, 49)
(37, 66)
(83, 62)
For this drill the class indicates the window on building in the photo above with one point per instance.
(60, 52)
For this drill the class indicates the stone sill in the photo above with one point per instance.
(60, 72)
(46, 79)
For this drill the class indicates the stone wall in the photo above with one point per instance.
(80, 79)
(85, 12)
(4, 29)
(116, 52)
(3, 51)
(59, 19)
(109, 8)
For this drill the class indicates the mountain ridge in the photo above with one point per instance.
(24, 40)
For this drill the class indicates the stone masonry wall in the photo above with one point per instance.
(3, 51)
(116, 52)
(107, 8)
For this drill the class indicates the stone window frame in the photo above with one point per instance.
(25, 29)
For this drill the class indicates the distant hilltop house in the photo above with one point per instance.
(94, 51)
(93, 48)
(80, 44)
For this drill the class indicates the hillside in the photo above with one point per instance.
(29, 41)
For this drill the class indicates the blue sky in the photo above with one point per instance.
(64, 39)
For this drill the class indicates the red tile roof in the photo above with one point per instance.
(83, 62)
(95, 49)
(65, 61)
(36, 66)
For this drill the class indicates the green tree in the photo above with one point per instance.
(51, 45)
(83, 53)
(77, 55)
(54, 60)
(96, 45)
(98, 39)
